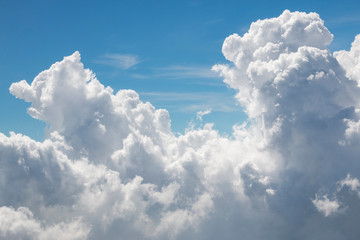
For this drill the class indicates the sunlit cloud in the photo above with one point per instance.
(110, 166)
(200, 114)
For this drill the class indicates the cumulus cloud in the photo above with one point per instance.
(350, 60)
(111, 168)
(20, 224)
(352, 183)
(326, 206)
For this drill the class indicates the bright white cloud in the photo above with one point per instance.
(111, 167)
(20, 224)
(200, 114)
(350, 60)
(352, 183)
(326, 206)
(329, 207)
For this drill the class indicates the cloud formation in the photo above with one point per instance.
(183, 72)
(123, 61)
(326, 206)
(111, 168)
(200, 114)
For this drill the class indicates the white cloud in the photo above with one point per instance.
(122, 61)
(110, 166)
(350, 61)
(20, 224)
(352, 183)
(200, 114)
(326, 206)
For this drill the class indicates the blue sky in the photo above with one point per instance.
(161, 49)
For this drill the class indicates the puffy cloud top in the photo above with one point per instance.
(281, 65)
(350, 60)
(75, 104)
(266, 39)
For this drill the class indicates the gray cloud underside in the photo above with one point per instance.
(111, 168)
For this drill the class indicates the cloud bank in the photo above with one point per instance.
(111, 168)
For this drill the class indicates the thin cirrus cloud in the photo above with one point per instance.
(344, 20)
(111, 168)
(193, 101)
(179, 72)
(122, 61)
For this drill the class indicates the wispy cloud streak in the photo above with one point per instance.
(179, 72)
(195, 101)
(122, 61)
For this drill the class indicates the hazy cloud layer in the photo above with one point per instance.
(111, 168)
